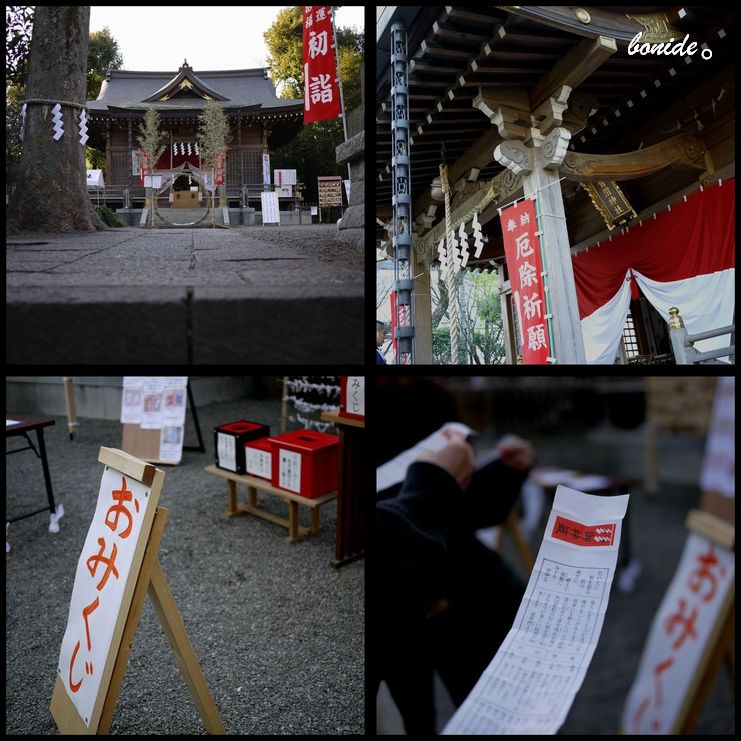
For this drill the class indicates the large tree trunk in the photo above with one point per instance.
(51, 194)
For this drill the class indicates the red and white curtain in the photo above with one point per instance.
(683, 257)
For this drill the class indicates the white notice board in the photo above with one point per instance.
(270, 210)
(284, 177)
(156, 404)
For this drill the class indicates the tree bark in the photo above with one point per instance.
(51, 193)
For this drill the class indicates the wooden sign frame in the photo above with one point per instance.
(146, 577)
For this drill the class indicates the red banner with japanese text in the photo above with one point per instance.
(144, 166)
(394, 322)
(219, 169)
(321, 92)
(525, 267)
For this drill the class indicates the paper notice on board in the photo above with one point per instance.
(132, 400)
(289, 470)
(152, 403)
(171, 444)
(258, 462)
(226, 451)
(173, 401)
(532, 681)
(394, 471)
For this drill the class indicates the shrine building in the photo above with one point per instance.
(259, 122)
(628, 160)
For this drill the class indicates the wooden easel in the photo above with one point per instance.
(719, 645)
(69, 397)
(150, 580)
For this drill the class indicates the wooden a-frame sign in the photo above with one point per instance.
(718, 641)
(145, 577)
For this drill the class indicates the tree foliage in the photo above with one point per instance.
(150, 136)
(150, 139)
(312, 151)
(103, 53)
(480, 340)
(213, 133)
(18, 28)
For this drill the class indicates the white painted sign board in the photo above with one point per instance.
(105, 566)
(679, 635)
(284, 177)
(266, 169)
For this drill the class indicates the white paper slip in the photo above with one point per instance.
(132, 396)
(531, 683)
(395, 470)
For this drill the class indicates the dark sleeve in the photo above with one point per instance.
(412, 536)
(492, 494)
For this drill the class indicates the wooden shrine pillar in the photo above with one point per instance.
(543, 183)
(422, 312)
(538, 165)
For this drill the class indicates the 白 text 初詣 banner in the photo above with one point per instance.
(321, 92)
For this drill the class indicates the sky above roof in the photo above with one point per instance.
(158, 38)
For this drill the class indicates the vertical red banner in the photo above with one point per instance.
(525, 267)
(219, 169)
(321, 92)
(394, 322)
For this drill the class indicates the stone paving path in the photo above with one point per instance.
(243, 295)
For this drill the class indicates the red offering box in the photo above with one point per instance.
(306, 462)
(258, 456)
(352, 397)
(229, 440)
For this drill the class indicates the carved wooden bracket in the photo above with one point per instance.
(549, 114)
(683, 149)
(515, 156)
(554, 147)
(507, 109)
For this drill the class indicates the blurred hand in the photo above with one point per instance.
(456, 457)
(516, 452)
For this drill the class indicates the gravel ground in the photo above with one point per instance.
(279, 633)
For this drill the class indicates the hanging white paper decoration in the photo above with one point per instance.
(464, 245)
(477, 236)
(58, 122)
(443, 257)
(83, 127)
(23, 121)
